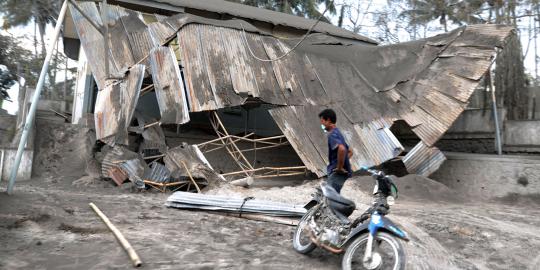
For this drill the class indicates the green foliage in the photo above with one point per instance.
(13, 56)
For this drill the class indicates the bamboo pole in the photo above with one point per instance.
(119, 236)
(266, 168)
(191, 177)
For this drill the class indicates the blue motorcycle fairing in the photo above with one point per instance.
(376, 223)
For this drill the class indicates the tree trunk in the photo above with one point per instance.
(42, 27)
(341, 15)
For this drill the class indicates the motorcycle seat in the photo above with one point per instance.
(338, 203)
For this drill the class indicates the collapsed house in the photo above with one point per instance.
(193, 63)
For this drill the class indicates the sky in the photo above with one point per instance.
(363, 13)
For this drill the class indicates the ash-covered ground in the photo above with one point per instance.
(47, 223)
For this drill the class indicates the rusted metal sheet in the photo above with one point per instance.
(197, 81)
(115, 106)
(92, 42)
(160, 32)
(423, 160)
(372, 143)
(215, 61)
(240, 63)
(118, 175)
(189, 155)
(169, 86)
(287, 121)
(139, 36)
(285, 71)
(118, 40)
(267, 83)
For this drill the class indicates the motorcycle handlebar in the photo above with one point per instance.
(373, 172)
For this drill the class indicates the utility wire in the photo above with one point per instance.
(293, 48)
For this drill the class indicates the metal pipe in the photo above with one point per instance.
(2, 164)
(495, 116)
(105, 20)
(35, 98)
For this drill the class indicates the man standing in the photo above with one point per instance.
(339, 153)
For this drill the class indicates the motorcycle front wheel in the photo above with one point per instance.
(387, 251)
(301, 239)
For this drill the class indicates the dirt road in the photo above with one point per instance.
(47, 224)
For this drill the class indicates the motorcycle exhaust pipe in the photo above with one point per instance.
(329, 248)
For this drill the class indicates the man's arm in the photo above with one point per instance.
(350, 153)
(342, 151)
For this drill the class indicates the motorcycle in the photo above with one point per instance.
(369, 242)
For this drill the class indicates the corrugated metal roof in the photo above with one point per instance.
(249, 12)
(367, 85)
(423, 160)
(115, 105)
(169, 86)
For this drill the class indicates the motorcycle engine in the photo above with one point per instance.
(328, 229)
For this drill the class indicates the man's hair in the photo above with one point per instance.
(328, 114)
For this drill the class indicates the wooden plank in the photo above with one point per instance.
(169, 87)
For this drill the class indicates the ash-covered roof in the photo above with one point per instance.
(249, 12)
(427, 83)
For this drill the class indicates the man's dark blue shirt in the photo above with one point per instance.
(335, 138)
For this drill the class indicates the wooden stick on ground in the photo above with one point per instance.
(125, 244)
(190, 177)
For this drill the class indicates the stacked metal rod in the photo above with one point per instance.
(187, 200)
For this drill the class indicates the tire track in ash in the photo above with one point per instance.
(424, 251)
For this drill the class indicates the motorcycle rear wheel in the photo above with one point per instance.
(301, 239)
(392, 253)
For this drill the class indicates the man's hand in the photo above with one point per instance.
(350, 153)
(341, 171)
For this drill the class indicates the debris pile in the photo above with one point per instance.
(177, 168)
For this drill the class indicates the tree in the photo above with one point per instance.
(303, 8)
(41, 12)
(422, 12)
(13, 58)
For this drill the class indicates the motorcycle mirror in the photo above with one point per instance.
(390, 200)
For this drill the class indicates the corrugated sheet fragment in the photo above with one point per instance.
(188, 200)
(169, 86)
(423, 160)
(115, 105)
(92, 41)
(119, 163)
(175, 158)
(372, 143)
(157, 173)
(135, 169)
